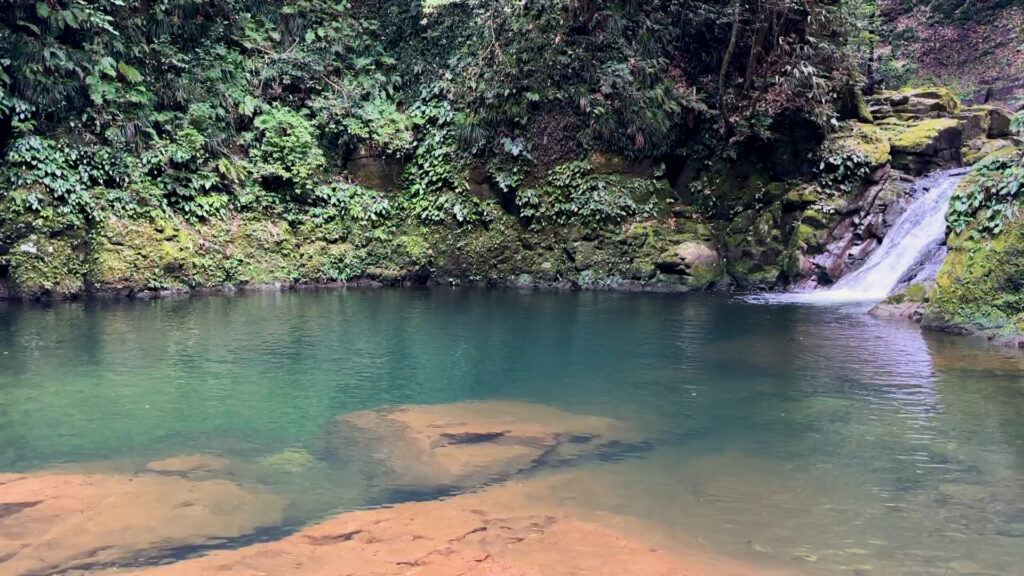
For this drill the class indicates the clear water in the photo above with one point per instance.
(818, 438)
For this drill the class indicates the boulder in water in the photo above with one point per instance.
(697, 262)
(468, 444)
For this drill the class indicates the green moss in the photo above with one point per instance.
(864, 140)
(42, 266)
(921, 137)
(981, 284)
(943, 99)
(913, 293)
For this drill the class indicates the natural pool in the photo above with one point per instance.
(815, 439)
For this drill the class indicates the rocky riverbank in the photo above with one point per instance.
(766, 221)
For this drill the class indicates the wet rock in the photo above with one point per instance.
(468, 444)
(909, 304)
(499, 532)
(56, 522)
(290, 460)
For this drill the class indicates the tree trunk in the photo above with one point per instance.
(722, 108)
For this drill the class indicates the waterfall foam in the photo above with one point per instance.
(911, 252)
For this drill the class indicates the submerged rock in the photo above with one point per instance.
(190, 464)
(468, 444)
(57, 522)
(499, 532)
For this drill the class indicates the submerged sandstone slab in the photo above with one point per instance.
(56, 522)
(469, 444)
(501, 531)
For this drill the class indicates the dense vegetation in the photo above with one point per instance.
(179, 143)
(197, 109)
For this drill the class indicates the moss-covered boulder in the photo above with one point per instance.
(695, 261)
(864, 140)
(980, 287)
(927, 145)
(929, 102)
(977, 150)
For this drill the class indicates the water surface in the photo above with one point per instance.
(815, 437)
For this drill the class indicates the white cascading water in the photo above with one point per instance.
(911, 251)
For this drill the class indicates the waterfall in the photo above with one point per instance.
(912, 251)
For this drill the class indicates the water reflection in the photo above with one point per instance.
(821, 438)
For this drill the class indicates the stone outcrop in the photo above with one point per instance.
(57, 522)
(498, 532)
(926, 145)
(861, 225)
(698, 262)
(915, 132)
(467, 444)
(908, 304)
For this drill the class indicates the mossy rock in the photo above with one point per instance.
(697, 263)
(928, 136)
(920, 103)
(981, 283)
(935, 99)
(802, 196)
(977, 150)
(917, 293)
(139, 255)
(974, 122)
(864, 140)
(1000, 121)
(41, 266)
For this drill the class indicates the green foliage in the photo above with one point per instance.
(990, 198)
(842, 171)
(288, 151)
(199, 113)
(572, 194)
(437, 182)
(52, 179)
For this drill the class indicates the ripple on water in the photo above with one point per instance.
(813, 437)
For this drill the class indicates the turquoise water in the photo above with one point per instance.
(816, 437)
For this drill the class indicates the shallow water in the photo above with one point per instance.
(817, 438)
